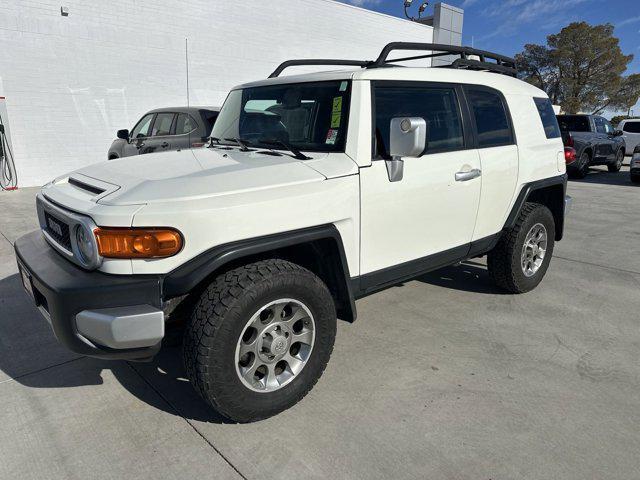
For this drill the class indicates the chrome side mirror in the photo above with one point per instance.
(407, 138)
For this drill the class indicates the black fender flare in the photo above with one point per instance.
(183, 279)
(526, 192)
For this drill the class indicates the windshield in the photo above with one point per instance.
(306, 116)
(574, 123)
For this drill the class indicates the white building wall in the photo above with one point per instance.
(71, 81)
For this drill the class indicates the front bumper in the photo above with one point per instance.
(92, 313)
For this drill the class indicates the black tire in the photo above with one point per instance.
(219, 319)
(615, 167)
(582, 168)
(504, 261)
(635, 178)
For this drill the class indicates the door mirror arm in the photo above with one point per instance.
(395, 168)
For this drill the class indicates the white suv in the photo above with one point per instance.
(315, 190)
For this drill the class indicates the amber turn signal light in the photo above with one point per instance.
(138, 242)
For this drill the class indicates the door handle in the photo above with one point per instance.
(466, 176)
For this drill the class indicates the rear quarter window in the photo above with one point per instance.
(491, 117)
(574, 123)
(548, 117)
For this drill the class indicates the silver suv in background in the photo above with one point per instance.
(635, 165)
(630, 132)
(165, 129)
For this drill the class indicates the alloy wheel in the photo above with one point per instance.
(275, 345)
(534, 250)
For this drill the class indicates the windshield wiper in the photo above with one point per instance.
(244, 144)
(296, 153)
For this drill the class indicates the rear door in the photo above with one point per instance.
(161, 134)
(186, 132)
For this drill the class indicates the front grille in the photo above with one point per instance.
(58, 230)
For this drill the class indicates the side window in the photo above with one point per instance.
(490, 115)
(438, 106)
(600, 127)
(608, 127)
(631, 127)
(185, 124)
(162, 125)
(548, 117)
(142, 128)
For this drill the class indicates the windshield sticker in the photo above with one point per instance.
(332, 136)
(335, 120)
(343, 86)
(337, 105)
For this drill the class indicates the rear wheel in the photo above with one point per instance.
(617, 165)
(259, 339)
(582, 168)
(635, 178)
(520, 260)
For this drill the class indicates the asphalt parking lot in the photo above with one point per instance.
(441, 377)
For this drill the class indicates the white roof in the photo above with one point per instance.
(504, 83)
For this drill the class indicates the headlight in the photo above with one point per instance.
(86, 245)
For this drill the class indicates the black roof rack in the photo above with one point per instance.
(294, 63)
(487, 61)
(498, 63)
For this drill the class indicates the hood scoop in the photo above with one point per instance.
(85, 186)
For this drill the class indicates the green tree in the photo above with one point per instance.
(581, 68)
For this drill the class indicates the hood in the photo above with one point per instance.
(189, 174)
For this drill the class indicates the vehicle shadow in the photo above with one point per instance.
(604, 177)
(469, 276)
(31, 355)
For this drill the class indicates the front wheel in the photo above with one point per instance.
(617, 165)
(259, 339)
(520, 260)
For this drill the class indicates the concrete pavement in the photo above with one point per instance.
(441, 377)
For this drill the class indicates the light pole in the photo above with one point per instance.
(407, 5)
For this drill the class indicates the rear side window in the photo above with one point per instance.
(574, 123)
(438, 106)
(631, 127)
(185, 124)
(490, 115)
(548, 117)
(162, 125)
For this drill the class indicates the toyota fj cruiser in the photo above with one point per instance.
(315, 190)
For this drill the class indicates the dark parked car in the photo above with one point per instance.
(590, 140)
(165, 129)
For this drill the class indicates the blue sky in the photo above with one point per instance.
(504, 26)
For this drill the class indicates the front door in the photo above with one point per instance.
(139, 135)
(428, 217)
(605, 150)
(161, 134)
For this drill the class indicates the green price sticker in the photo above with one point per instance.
(337, 105)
